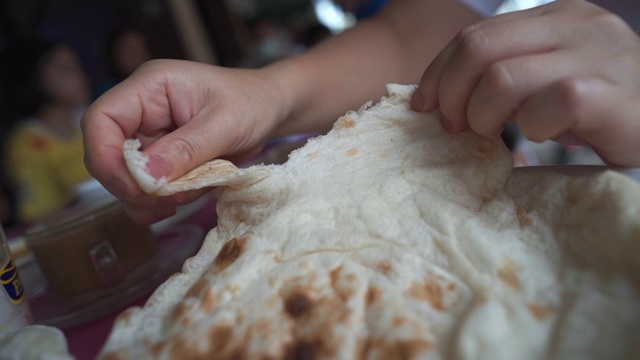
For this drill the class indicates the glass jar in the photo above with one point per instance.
(14, 309)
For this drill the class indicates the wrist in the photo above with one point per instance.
(287, 92)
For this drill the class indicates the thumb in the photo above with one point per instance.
(187, 147)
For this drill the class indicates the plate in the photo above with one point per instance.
(174, 247)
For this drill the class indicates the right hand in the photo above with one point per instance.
(568, 71)
(184, 114)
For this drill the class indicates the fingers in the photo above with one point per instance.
(451, 77)
(188, 146)
(139, 107)
(506, 84)
(103, 138)
(426, 96)
(592, 109)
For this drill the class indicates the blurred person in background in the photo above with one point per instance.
(127, 49)
(46, 89)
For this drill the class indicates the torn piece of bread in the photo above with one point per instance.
(216, 172)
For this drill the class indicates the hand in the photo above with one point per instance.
(568, 71)
(184, 114)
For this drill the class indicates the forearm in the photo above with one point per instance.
(347, 70)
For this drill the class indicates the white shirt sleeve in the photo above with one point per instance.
(484, 8)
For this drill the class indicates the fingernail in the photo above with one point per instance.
(446, 123)
(158, 166)
(417, 101)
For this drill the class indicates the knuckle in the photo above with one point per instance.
(576, 94)
(498, 79)
(609, 23)
(472, 40)
(572, 92)
(185, 151)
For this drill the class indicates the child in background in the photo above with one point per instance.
(46, 90)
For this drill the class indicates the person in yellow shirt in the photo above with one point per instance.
(46, 88)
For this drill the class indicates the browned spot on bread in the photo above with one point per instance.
(335, 275)
(385, 266)
(220, 342)
(125, 316)
(234, 289)
(479, 300)
(220, 336)
(300, 350)
(429, 291)
(383, 155)
(181, 313)
(344, 291)
(352, 152)
(197, 288)
(521, 213)
(230, 252)
(297, 304)
(539, 312)
(508, 274)
(117, 355)
(373, 294)
(408, 349)
(398, 321)
(209, 301)
(181, 348)
(239, 217)
(272, 280)
(384, 349)
(485, 149)
(346, 123)
(313, 154)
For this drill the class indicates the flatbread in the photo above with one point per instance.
(390, 238)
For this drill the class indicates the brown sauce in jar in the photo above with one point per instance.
(84, 249)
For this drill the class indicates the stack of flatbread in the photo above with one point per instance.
(389, 238)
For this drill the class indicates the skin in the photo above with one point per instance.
(566, 71)
(186, 113)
